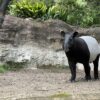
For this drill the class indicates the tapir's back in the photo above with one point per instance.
(92, 46)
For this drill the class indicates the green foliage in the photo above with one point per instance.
(76, 12)
(49, 3)
(2, 69)
(0, 0)
(27, 8)
(57, 11)
(11, 66)
(60, 95)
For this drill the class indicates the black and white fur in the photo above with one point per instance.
(84, 49)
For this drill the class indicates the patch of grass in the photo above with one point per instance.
(11, 66)
(2, 69)
(14, 65)
(60, 95)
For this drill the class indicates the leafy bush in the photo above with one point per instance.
(27, 8)
(76, 12)
(57, 11)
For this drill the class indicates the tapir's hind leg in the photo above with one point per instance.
(96, 67)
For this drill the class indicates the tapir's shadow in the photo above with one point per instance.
(81, 77)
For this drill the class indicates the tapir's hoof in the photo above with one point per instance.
(96, 78)
(72, 80)
(88, 78)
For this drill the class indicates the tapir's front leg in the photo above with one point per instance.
(87, 71)
(96, 62)
(72, 66)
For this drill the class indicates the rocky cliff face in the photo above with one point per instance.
(34, 42)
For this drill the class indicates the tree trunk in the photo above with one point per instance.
(3, 7)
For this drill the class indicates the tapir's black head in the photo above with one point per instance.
(68, 40)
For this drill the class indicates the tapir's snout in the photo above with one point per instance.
(66, 48)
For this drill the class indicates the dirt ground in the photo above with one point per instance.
(28, 83)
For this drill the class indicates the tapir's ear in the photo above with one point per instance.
(75, 34)
(62, 33)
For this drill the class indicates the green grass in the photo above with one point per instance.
(11, 66)
(2, 69)
(60, 95)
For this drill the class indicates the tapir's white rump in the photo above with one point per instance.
(93, 47)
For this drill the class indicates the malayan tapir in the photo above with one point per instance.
(83, 49)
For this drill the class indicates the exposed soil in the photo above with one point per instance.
(28, 83)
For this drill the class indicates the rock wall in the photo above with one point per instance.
(34, 42)
(27, 40)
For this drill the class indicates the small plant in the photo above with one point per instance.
(57, 11)
(11, 66)
(60, 95)
(2, 69)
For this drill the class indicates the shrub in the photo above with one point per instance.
(27, 8)
(76, 12)
(57, 11)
